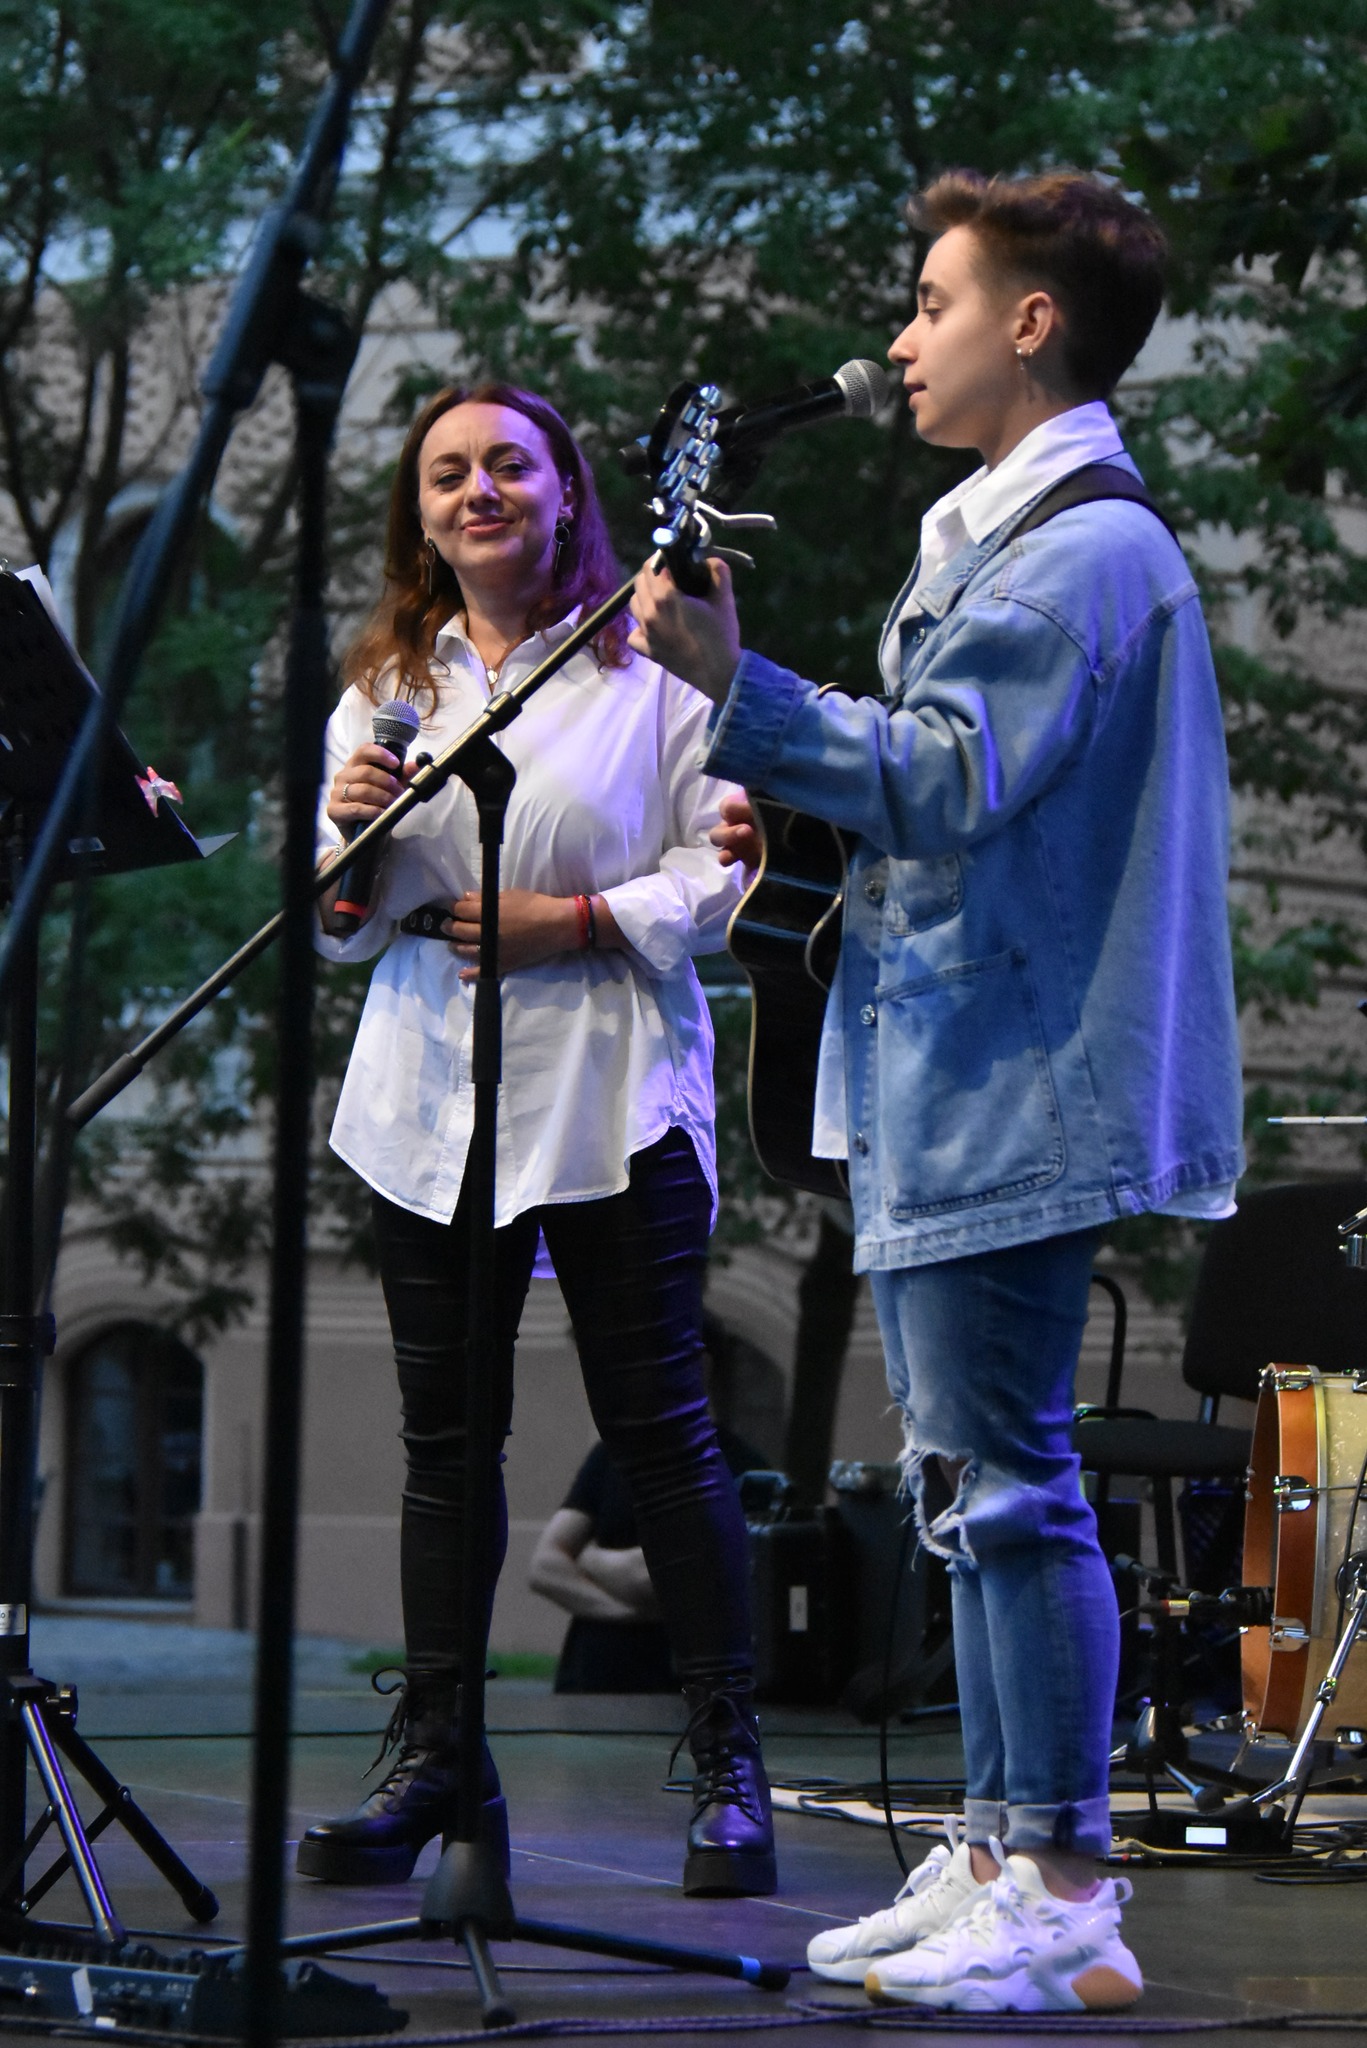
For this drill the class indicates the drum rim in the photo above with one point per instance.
(1289, 1429)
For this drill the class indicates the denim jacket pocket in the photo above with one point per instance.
(967, 1107)
(921, 893)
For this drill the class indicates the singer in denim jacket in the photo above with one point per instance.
(1032, 1030)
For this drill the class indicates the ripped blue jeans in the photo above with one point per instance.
(981, 1356)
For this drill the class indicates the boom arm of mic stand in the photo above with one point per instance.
(289, 237)
(497, 714)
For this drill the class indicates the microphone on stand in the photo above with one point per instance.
(394, 727)
(857, 391)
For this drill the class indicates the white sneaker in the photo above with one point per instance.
(1019, 1949)
(937, 1890)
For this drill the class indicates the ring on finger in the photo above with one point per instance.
(346, 792)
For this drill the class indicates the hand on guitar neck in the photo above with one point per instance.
(738, 834)
(696, 637)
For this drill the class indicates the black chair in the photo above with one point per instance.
(1273, 1288)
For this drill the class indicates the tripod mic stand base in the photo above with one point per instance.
(467, 1896)
(468, 1884)
(1246, 1833)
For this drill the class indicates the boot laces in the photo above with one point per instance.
(397, 1723)
(720, 1784)
(718, 1780)
(696, 1719)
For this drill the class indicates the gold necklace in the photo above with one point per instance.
(493, 672)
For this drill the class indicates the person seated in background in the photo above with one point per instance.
(590, 1562)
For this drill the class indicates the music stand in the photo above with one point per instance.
(45, 695)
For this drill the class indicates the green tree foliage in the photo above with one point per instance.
(600, 198)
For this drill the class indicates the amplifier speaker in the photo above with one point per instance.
(822, 1583)
(888, 1562)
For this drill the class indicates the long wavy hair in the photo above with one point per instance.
(398, 640)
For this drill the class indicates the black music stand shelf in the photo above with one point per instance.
(45, 694)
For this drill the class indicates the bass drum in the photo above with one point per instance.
(1309, 1442)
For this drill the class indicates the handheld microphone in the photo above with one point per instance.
(394, 727)
(857, 391)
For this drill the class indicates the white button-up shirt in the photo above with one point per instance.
(602, 1052)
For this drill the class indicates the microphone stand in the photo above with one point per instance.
(467, 1896)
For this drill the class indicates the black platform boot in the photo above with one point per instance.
(731, 1834)
(379, 1842)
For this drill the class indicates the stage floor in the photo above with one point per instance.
(596, 1841)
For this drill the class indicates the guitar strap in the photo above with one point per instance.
(1086, 486)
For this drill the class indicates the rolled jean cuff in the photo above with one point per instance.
(1080, 1827)
(985, 1821)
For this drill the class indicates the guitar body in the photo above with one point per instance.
(785, 933)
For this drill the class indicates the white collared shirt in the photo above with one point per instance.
(602, 1052)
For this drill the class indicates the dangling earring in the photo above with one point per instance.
(562, 534)
(429, 548)
(1023, 356)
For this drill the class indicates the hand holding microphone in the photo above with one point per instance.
(363, 787)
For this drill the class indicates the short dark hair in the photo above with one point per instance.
(1070, 234)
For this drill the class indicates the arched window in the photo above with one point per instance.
(135, 1407)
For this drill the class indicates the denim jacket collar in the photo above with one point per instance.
(940, 595)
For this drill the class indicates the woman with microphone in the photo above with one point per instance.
(496, 544)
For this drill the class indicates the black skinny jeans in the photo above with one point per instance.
(630, 1267)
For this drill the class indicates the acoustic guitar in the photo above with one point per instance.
(785, 933)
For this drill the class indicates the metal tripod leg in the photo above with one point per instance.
(37, 1698)
(197, 1899)
(549, 1934)
(104, 1919)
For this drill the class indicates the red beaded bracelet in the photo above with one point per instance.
(583, 910)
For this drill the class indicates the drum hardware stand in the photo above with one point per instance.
(1158, 1742)
(1353, 1245)
(1351, 1585)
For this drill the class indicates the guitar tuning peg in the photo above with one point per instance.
(738, 522)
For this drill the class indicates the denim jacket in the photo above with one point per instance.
(1035, 1005)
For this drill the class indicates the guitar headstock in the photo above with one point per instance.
(690, 467)
(684, 460)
